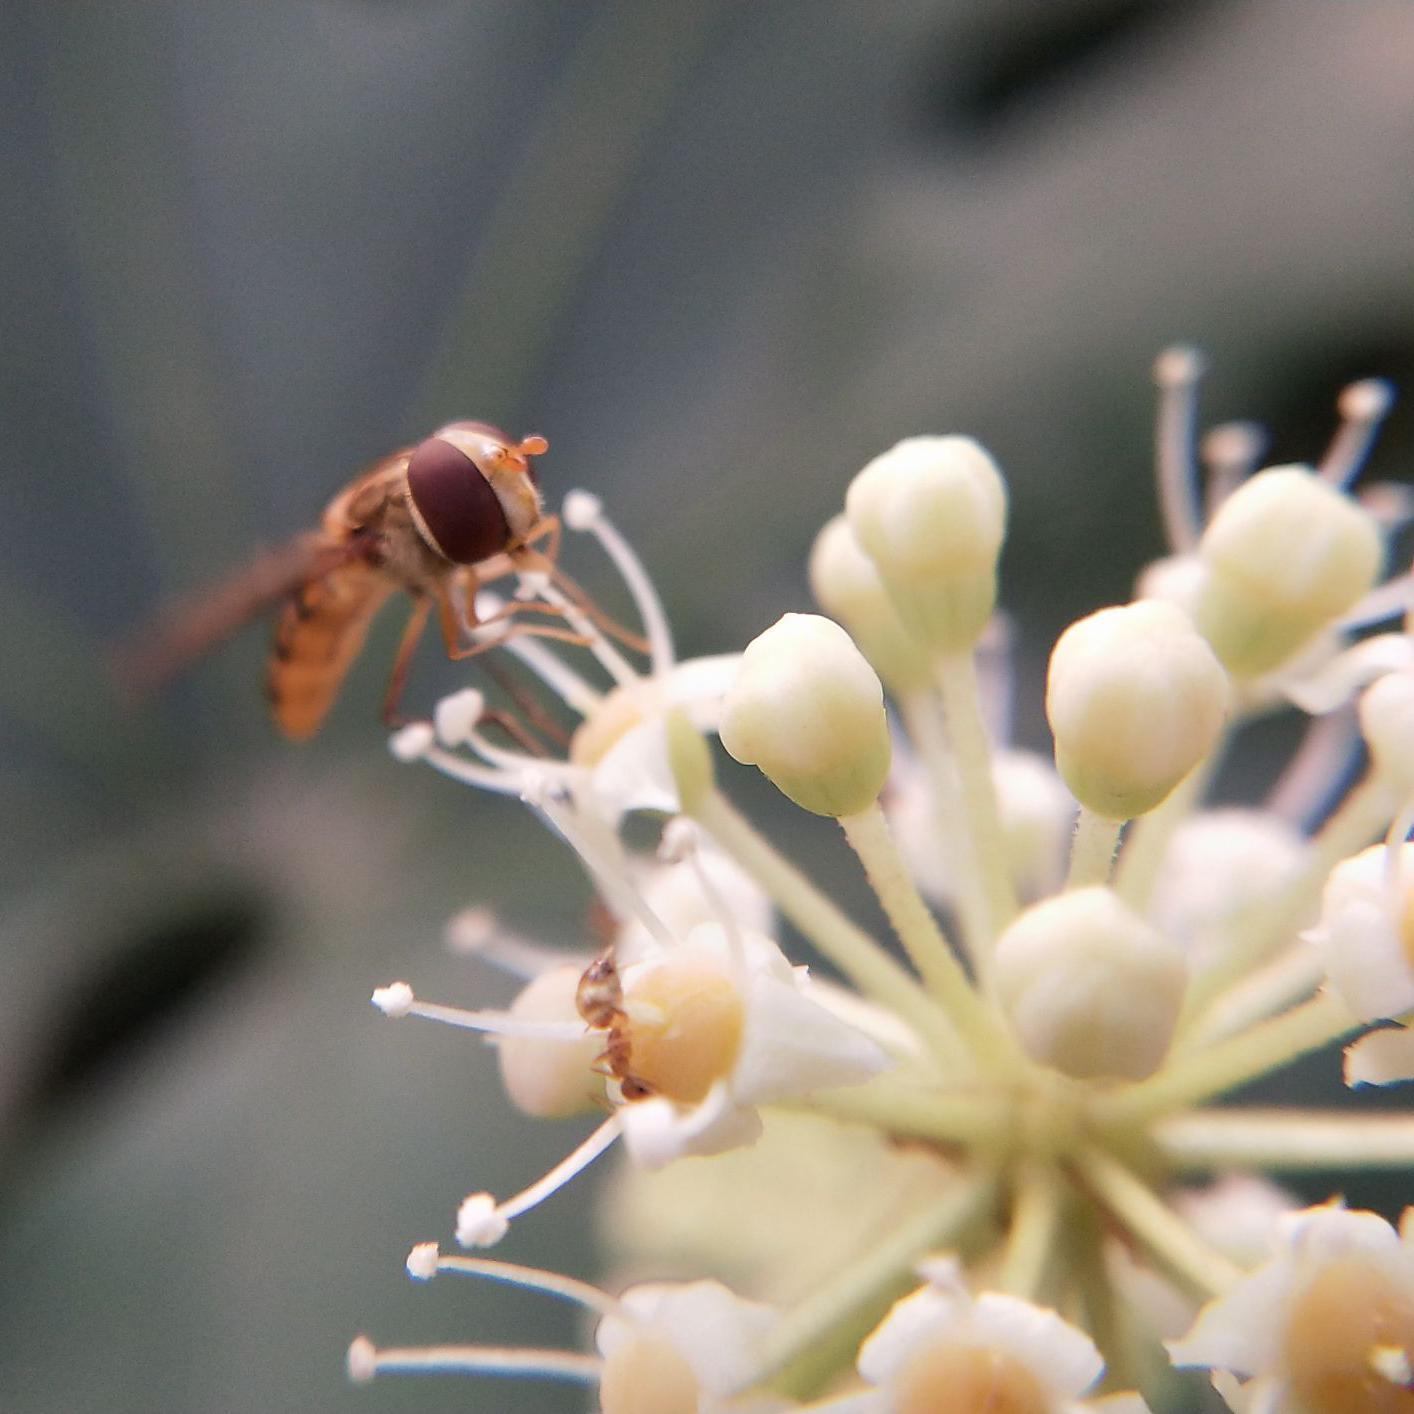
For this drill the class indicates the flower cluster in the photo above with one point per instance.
(976, 1167)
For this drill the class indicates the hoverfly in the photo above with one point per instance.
(435, 521)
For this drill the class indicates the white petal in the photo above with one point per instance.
(1332, 1231)
(634, 773)
(1239, 1215)
(1381, 1058)
(1337, 682)
(1241, 1330)
(913, 1321)
(792, 1045)
(715, 1331)
(1062, 1357)
(657, 1131)
(1360, 947)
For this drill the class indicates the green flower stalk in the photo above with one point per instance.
(977, 1165)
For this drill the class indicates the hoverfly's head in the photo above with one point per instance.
(472, 490)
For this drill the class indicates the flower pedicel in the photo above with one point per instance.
(1039, 1060)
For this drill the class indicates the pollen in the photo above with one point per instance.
(1338, 1330)
(685, 1024)
(648, 1376)
(967, 1380)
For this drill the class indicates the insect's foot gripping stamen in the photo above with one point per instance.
(483, 1222)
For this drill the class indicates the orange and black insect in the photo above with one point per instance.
(434, 521)
(599, 999)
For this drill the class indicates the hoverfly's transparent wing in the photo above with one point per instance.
(190, 628)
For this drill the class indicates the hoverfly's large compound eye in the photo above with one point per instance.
(455, 508)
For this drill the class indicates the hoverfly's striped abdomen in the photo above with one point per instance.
(320, 631)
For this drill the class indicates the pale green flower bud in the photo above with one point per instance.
(1286, 555)
(809, 711)
(1387, 724)
(848, 588)
(1136, 700)
(931, 513)
(1091, 989)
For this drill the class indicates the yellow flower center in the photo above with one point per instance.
(1406, 922)
(648, 1376)
(944, 1378)
(684, 1030)
(1336, 1332)
(622, 710)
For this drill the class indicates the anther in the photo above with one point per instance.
(412, 742)
(456, 716)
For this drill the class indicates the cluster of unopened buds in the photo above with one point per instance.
(977, 1167)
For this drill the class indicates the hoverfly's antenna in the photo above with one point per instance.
(514, 454)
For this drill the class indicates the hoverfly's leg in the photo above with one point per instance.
(607, 622)
(458, 651)
(546, 562)
(511, 725)
(397, 679)
(534, 712)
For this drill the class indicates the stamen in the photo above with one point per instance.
(1177, 371)
(502, 782)
(613, 881)
(1302, 793)
(553, 672)
(1362, 407)
(1230, 452)
(681, 844)
(1396, 869)
(477, 932)
(365, 1361)
(412, 742)
(397, 1001)
(482, 1222)
(584, 511)
(425, 1260)
(518, 763)
(1390, 600)
(457, 714)
(612, 661)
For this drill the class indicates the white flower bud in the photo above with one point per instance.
(931, 513)
(1037, 817)
(1286, 555)
(1220, 864)
(848, 588)
(1136, 700)
(1092, 990)
(1366, 932)
(1176, 579)
(551, 1079)
(1387, 723)
(809, 711)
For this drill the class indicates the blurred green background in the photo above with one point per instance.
(719, 253)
